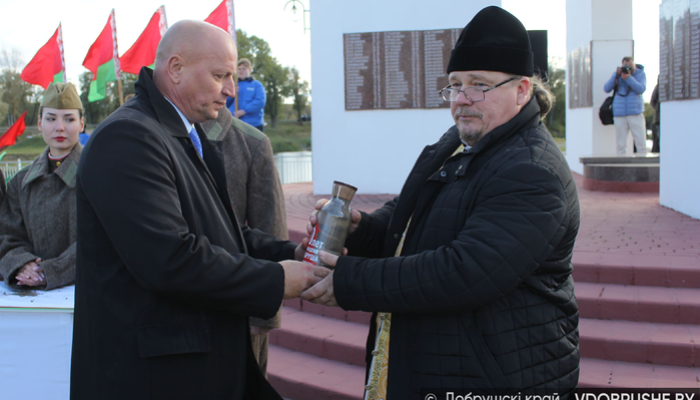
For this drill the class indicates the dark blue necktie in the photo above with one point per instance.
(195, 140)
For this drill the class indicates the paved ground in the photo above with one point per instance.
(617, 228)
(301, 201)
(637, 272)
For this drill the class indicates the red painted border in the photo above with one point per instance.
(623, 187)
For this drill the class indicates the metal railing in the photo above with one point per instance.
(10, 168)
(294, 167)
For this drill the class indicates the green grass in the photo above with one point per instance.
(289, 136)
(286, 136)
(28, 146)
(561, 142)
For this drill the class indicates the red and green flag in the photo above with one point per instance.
(222, 17)
(16, 130)
(103, 60)
(48, 64)
(143, 52)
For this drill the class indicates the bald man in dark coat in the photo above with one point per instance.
(166, 277)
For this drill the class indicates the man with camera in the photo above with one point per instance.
(628, 104)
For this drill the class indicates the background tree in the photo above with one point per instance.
(267, 70)
(95, 112)
(276, 87)
(300, 93)
(4, 107)
(648, 114)
(18, 95)
(556, 119)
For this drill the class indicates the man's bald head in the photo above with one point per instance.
(195, 64)
(193, 40)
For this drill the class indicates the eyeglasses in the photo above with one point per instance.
(474, 93)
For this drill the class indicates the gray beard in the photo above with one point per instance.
(469, 136)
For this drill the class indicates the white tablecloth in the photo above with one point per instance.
(36, 333)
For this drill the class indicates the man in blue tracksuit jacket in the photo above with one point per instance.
(628, 104)
(251, 97)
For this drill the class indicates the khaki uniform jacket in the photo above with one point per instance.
(37, 220)
(252, 180)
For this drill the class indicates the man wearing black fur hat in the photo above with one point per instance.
(469, 269)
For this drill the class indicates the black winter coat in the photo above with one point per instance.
(165, 276)
(482, 297)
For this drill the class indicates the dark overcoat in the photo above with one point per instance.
(37, 220)
(166, 278)
(3, 186)
(482, 297)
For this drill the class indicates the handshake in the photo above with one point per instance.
(311, 282)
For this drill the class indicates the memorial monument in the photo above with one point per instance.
(375, 127)
(679, 92)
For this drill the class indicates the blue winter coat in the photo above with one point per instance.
(251, 99)
(628, 99)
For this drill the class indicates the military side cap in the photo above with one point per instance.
(61, 96)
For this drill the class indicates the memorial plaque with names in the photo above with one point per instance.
(397, 70)
(694, 31)
(358, 73)
(580, 78)
(437, 49)
(404, 69)
(679, 50)
(681, 21)
(665, 50)
(399, 64)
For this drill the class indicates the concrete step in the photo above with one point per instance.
(638, 303)
(323, 337)
(652, 270)
(615, 374)
(640, 342)
(300, 376)
(613, 340)
(331, 312)
(316, 357)
(305, 377)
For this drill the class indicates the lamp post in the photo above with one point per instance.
(294, 11)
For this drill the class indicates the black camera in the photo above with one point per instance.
(625, 69)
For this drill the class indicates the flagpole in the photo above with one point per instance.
(117, 64)
(121, 92)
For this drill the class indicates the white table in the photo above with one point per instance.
(36, 334)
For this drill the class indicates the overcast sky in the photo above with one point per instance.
(27, 25)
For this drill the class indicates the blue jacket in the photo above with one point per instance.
(628, 99)
(251, 99)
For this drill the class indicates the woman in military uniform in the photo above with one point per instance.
(37, 218)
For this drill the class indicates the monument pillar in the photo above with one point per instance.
(598, 36)
(679, 93)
